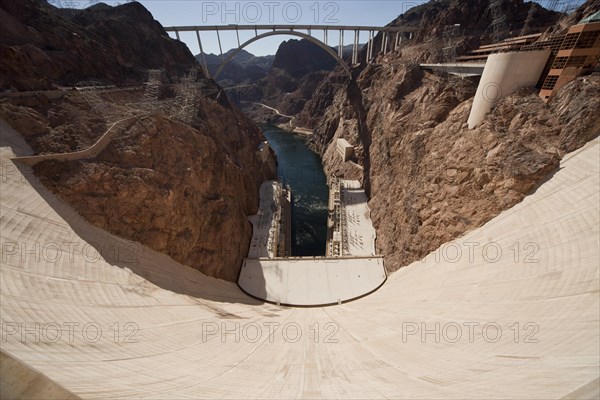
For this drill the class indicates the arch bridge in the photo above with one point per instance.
(391, 39)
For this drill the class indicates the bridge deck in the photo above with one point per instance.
(460, 69)
(233, 27)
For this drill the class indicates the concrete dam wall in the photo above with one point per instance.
(509, 310)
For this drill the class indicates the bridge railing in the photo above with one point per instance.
(234, 27)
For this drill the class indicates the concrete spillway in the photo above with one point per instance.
(272, 275)
(520, 322)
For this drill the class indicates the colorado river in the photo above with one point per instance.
(302, 170)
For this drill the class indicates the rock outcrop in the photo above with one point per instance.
(298, 67)
(181, 178)
(185, 190)
(42, 46)
(244, 67)
(297, 58)
(474, 17)
(431, 179)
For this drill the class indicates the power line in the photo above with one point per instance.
(499, 28)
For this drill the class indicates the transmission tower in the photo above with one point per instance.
(528, 20)
(450, 33)
(499, 28)
(553, 5)
(569, 6)
(187, 94)
(152, 88)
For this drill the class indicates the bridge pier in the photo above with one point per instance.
(204, 66)
(369, 44)
(220, 47)
(355, 48)
(384, 44)
(387, 31)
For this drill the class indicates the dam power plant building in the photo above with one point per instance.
(578, 50)
(271, 235)
(549, 64)
(527, 61)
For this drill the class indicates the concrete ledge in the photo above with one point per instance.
(314, 281)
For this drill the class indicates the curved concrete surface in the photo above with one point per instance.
(504, 74)
(190, 336)
(317, 281)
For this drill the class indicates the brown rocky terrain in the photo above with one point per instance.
(185, 186)
(181, 178)
(587, 8)
(474, 17)
(42, 46)
(298, 67)
(430, 19)
(244, 67)
(429, 178)
(182, 189)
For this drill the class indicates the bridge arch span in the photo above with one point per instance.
(285, 32)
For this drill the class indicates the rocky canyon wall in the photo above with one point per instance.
(181, 178)
(42, 46)
(429, 178)
(182, 189)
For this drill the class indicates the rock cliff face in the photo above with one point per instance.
(299, 66)
(297, 58)
(474, 20)
(431, 179)
(474, 16)
(42, 46)
(244, 67)
(185, 190)
(181, 178)
(586, 9)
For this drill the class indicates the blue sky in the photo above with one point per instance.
(327, 12)
(347, 12)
